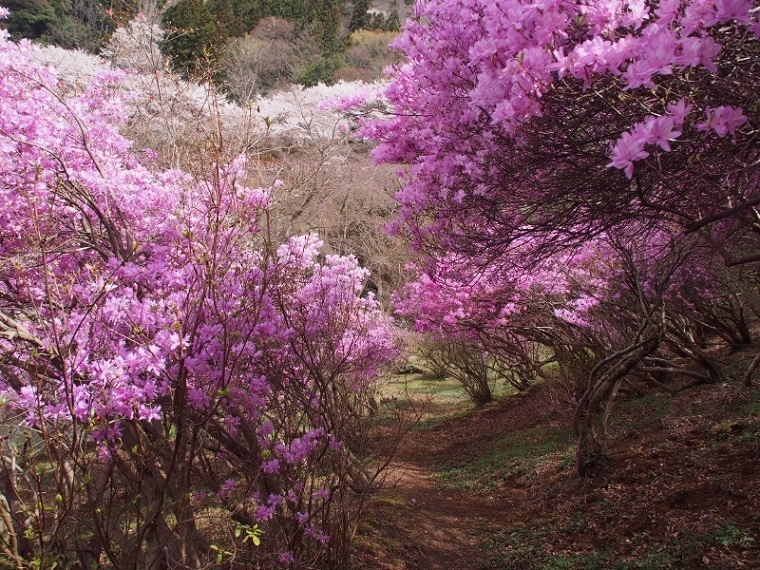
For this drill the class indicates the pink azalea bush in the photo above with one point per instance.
(634, 308)
(174, 384)
(514, 117)
(604, 152)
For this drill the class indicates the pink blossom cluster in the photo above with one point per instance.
(478, 75)
(658, 131)
(584, 299)
(557, 154)
(502, 306)
(575, 171)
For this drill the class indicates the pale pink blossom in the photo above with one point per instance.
(738, 10)
(724, 120)
(628, 149)
(680, 110)
(658, 130)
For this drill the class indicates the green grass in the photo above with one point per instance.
(426, 386)
(525, 547)
(752, 409)
(589, 561)
(731, 535)
(445, 390)
(510, 456)
(635, 412)
(435, 399)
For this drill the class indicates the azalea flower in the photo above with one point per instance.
(627, 150)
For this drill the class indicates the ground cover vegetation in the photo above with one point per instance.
(494, 487)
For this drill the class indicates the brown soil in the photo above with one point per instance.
(679, 489)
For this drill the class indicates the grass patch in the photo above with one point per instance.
(426, 386)
(436, 400)
(529, 547)
(638, 411)
(750, 435)
(526, 547)
(752, 409)
(423, 400)
(507, 457)
(442, 390)
(730, 535)
(432, 422)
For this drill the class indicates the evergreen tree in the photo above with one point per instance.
(289, 9)
(360, 18)
(393, 23)
(83, 24)
(332, 16)
(325, 17)
(193, 37)
(29, 18)
(378, 21)
(247, 14)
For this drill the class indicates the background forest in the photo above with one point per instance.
(313, 38)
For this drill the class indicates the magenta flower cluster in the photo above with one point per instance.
(134, 299)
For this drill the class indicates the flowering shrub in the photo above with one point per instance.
(634, 309)
(540, 135)
(177, 389)
(515, 117)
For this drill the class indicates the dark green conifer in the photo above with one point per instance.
(393, 23)
(360, 18)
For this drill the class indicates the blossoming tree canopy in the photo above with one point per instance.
(569, 117)
(151, 334)
(537, 135)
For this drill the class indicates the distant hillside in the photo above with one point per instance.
(404, 7)
(225, 39)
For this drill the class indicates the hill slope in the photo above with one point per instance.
(496, 489)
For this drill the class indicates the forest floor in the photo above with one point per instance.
(496, 488)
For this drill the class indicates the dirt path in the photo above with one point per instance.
(423, 527)
(437, 525)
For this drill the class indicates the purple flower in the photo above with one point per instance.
(628, 149)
